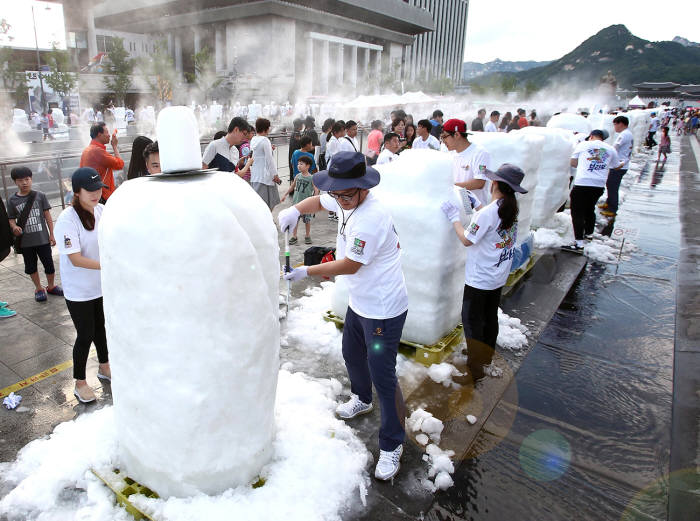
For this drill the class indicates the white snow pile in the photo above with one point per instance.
(440, 466)
(307, 330)
(556, 232)
(443, 373)
(411, 373)
(512, 334)
(317, 469)
(606, 249)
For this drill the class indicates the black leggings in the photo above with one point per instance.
(583, 199)
(480, 322)
(89, 320)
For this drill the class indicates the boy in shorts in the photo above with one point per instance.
(36, 232)
(303, 187)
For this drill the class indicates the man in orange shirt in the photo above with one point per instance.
(522, 122)
(96, 156)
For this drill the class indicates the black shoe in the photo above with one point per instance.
(572, 247)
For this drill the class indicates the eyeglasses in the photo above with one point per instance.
(446, 135)
(344, 197)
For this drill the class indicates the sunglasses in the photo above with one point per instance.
(344, 197)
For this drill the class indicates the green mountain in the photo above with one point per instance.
(631, 60)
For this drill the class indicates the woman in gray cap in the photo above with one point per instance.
(368, 252)
(76, 237)
(491, 238)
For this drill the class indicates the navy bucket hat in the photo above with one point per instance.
(347, 170)
(509, 174)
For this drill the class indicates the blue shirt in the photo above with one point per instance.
(295, 159)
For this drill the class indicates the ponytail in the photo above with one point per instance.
(507, 206)
(86, 218)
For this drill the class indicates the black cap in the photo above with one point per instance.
(601, 133)
(88, 179)
(347, 170)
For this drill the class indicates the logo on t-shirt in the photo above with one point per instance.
(507, 239)
(598, 158)
(66, 242)
(482, 168)
(474, 228)
(358, 247)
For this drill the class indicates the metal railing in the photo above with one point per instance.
(52, 171)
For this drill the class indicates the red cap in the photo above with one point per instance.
(455, 125)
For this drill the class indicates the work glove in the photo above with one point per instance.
(288, 218)
(451, 211)
(297, 274)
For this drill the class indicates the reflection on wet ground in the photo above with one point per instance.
(583, 431)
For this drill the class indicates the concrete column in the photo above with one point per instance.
(378, 64)
(341, 63)
(197, 39)
(91, 36)
(365, 63)
(325, 65)
(230, 47)
(353, 67)
(309, 65)
(170, 45)
(178, 53)
(219, 48)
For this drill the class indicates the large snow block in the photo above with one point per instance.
(639, 125)
(569, 121)
(521, 149)
(552, 188)
(604, 122)
(190, 275)
(412, 188)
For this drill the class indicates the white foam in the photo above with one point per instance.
(193, 330)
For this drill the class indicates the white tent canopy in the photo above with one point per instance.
(637, 102)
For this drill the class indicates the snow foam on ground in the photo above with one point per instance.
(318, 468)
(512, 334)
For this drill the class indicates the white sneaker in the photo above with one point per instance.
(389, 463)
(353, 407)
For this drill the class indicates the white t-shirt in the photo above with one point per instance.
(654, 126)
(624, 144)
(386, 156)
(595, 158)
(432, 143)
(348, 144)
(491, 127)
(79, 284)
(220, 146)
(472, 163)
(332, 148)
(263, 169)
(378, 289)
(491, 255)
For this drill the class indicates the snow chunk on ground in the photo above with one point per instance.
(556, 232)
(443, 373)
(318, 466)
(440, 466)
(512, 334)
(421, 420)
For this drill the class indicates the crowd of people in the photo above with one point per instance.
(329, 172)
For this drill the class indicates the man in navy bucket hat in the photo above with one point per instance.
(369, 255)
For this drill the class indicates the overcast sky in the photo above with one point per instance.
(515, 30)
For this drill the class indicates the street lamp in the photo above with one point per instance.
(38, 61)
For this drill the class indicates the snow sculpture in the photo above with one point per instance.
(573, 122)
(178, 140)
(604, 122)
(639, 125)
(552, 188)
(20, 123)
(412, 188)
(193, 330)
(521, 149)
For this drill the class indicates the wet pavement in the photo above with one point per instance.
(580, 428)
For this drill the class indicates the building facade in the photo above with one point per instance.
(439, 53)
(278, 48)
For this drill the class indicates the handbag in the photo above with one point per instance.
(22, 220)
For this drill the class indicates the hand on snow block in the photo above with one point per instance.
(450, 210)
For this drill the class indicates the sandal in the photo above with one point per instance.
(293, 240)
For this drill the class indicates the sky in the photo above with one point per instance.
(516, 30)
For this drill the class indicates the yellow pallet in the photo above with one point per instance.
(424, 354)
(123, 488)
(515, 276)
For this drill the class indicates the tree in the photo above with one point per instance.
(120, 69)
(159, 72)
(530, 88)
(508, 84)
(13, 76)
(60, 79)
(208, 83)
